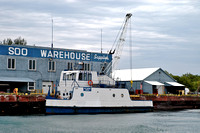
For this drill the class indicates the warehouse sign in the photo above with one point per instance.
(65, 55)
(52, 53)
(17, 51)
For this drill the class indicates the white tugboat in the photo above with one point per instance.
(76, 94)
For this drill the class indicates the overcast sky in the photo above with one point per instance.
(165, 33)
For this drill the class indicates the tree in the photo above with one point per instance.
(7, 41)
(20, 41)
(189, 80)
(17, 41)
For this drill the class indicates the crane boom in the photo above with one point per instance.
(119, 47)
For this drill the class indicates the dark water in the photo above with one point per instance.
(187, 121)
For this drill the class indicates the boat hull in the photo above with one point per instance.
(96, 110)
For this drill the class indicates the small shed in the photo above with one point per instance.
(147, 81)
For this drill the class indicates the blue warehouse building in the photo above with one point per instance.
(32, 68)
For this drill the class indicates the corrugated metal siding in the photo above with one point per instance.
(159, 76)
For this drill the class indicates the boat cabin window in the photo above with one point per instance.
(64, 76)
(80, 76)
(89, 76)
(71, 76)
(85, 76)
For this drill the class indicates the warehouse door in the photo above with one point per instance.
(155, 90)
(160, 89)
(46, 86)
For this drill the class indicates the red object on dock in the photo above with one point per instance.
(138, 91)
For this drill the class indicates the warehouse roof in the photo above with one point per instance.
(137, 74)
(153, 82)
(173, 84)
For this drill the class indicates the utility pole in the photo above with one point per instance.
(51, 39)
(101, 40)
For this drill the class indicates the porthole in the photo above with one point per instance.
(113, 95)
(82, 94)
(63, 94)
(122, 95)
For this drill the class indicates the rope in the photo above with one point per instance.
(130, 46)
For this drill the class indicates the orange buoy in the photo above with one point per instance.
(90, 83)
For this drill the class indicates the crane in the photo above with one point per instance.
(119, 44)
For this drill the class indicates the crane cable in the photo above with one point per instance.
(118, 34)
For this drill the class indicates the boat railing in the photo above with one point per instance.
(105, 82)
(74, 83)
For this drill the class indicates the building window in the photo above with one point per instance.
(31, 86)
(52, 66)
(32, 65)
(70, 66)
(11, 63)
(87, 67)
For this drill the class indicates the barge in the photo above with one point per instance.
(13, 104)
(171, 102)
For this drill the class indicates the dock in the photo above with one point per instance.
(21, 104)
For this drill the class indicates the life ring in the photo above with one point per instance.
(90, 83)
(15, 90)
